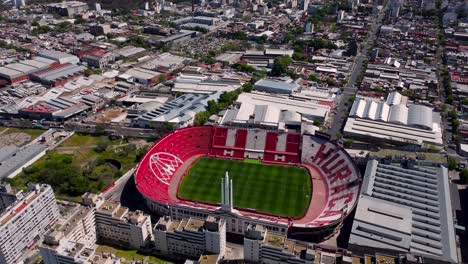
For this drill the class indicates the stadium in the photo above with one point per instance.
(300, 185)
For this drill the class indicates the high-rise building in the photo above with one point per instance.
(25, 220)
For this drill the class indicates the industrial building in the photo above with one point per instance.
(394, 122)
(179, 112)
(276, 87)
(265, 58)
(140, 75)
(21, 71)
(60, 57)
(59, 75)
(25, 219)
(203, 84)
(406, 207)
(273, 111)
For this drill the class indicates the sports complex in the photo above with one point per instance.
(290, 183)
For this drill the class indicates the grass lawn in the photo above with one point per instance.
(129, 255)
(273, 189)
(82, 140)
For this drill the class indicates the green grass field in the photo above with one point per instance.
(273, 189)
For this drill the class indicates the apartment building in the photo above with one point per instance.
(190, 237)
(74, 241)
(267, 247)
(8, 196)
(116, 224)
(25, 220)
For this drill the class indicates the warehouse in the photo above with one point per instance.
(406, 207)
(394, 122)
(20, 71)
(59, 75)
(276, 87)
(273, 111)
(59, 56)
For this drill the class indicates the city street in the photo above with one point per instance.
(350, 90)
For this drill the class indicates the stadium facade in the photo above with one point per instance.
(335, 178)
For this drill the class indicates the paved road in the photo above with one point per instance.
(350, 90)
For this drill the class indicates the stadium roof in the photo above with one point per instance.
(401, 191)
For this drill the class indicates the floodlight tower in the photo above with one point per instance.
(226, 194)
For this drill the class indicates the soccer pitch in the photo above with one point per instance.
(272, 189)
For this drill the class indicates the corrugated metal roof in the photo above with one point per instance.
(21, 68)
(420, 116)
(423, 189)
(9, 73)
(398, 114)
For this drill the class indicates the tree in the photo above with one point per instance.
(212, 107)
(248, 87)
(317, 123)
(88, 72)
(443, 108)
(450, 98)
(298, 56)
(313, 78)
(348, 142)
(201, 118)
(453, 114)
(452, 163)
(101, 146)
(280, 66)
(464, 176)
(162, 78)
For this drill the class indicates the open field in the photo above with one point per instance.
(18, 136)
(272, 189)
(34, 133)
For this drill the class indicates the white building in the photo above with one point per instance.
(394, 121)
(25, 220)
(59, 56)
(73, 241)
(261, 246)
(190, 237)
(274, 111)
